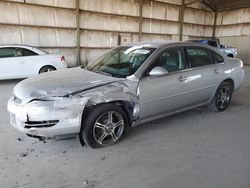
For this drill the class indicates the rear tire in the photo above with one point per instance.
(104, 126)
(47, 69)
(222, 97)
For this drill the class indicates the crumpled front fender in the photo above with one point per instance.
(126, 90)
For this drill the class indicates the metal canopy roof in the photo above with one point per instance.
(227, 4)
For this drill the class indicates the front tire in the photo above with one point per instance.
(223, 96)
(104, 126)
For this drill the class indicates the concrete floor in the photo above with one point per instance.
(195, 149)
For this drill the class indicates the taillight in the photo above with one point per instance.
(241, 65)
(62, 58)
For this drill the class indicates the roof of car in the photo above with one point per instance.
(201, 40)
(162, 44)
(150, 44)
(173, 43)
(32, 48)
(16, 45)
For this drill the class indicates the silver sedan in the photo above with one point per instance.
(127, 86)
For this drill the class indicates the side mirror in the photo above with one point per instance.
(158, 71)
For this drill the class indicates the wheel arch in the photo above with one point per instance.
(230, 55)
(125, 105)
(46, 66)
(229, 80)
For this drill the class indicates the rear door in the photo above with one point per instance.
(11, 65)
(204, 75)
(30, 60)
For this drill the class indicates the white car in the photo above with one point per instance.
(22, 61)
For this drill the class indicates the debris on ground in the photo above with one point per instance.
(32, 150)
(89, 184)
(34, 142)
(102, 159)
(24, 154)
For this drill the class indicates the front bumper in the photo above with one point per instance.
(39, 121)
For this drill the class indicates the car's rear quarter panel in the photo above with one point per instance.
(232, 69)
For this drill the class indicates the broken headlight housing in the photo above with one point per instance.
(54, 108)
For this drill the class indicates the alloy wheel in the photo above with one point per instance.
(108, 128)
(47, 70)
(223, 97)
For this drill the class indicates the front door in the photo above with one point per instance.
(164, 93)
(11, 65)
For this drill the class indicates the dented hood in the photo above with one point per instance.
(60, 83)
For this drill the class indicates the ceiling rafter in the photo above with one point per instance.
(221, 5)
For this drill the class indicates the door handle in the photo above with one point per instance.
(217, 71)
(182, 78)
(22, 62)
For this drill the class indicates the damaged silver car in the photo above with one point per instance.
(125, 87)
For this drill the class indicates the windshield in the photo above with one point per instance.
(122, 61)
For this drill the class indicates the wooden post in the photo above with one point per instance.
(181, 19)
(140, 19)
(215, 23)
(78, 49)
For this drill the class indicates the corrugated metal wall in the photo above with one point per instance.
(51, 24)
(233, 28)
(102, 21)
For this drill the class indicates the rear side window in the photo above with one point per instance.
(199, 56)
(26, 52)
(7, 52)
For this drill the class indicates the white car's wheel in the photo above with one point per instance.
(230, 55)
(47, 69)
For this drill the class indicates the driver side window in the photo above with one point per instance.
(172, 60)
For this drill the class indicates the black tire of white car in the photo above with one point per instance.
(104, 126)
(230, 55)
(222, 97)
(47, 69)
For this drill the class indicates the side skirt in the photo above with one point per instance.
(139, 122)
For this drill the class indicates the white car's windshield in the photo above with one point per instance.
(122, 61)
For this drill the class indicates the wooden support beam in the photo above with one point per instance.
(181, 19)
(140, 19)
(78, 49)
(215, 23)
(195, 1)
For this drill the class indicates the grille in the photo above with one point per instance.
(40, 124)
